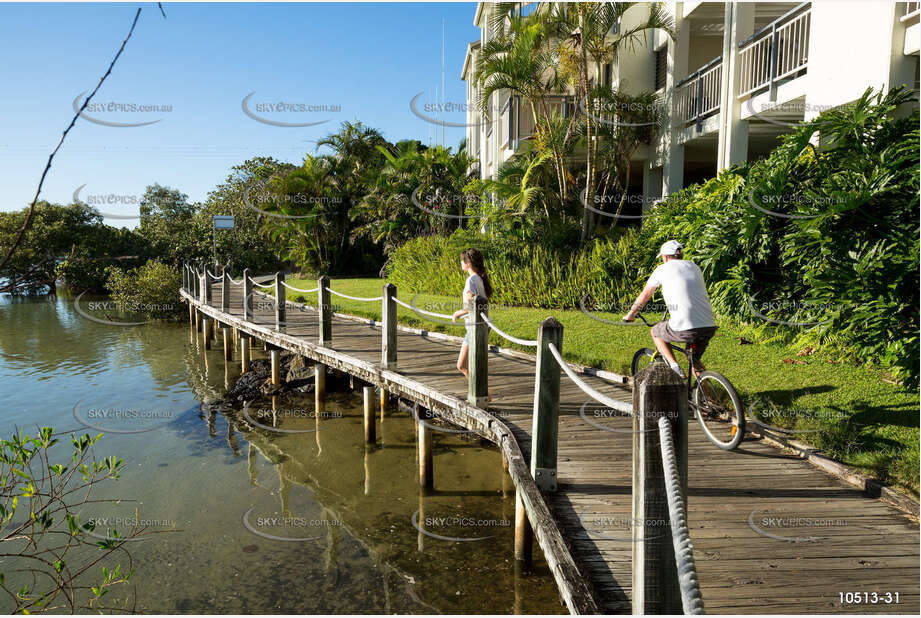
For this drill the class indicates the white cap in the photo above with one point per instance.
(670, 247)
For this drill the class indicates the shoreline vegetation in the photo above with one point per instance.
(850, 411)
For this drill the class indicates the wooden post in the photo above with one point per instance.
(426, 475)
(478, 384)
(325, 309)
(225, 289)
(370, 427)
(280, 300)
(184, 278)
(389, 330)
(206, 332)
(657, 392)
(228, 344)
(319, 391)
(247, 296)
(275, 356)
(208, 291)
(244, 352)
(383, 403)
(546, 405)
(524, 535)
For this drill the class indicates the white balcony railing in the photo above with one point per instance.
(697, 96)
(911, 7)
(776, 53)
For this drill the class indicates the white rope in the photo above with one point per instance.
(423, 311)
(620, 406)
(235, 282)
(216, 277)
(688, 583)
(294, 289)
(527, 342)
(261, 285)
(370, 300)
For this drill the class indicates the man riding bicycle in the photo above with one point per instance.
(688, 304)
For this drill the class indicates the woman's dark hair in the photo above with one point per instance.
(475, 259)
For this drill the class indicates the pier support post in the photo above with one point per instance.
(208, 292)
(370, 427)
(477, 353)
(389, 329)
(225, 289)
(275, 356)
(280, 301)
(524, 535)
(319, 390)
(206, 332)
(244, 352)
(228, 344)
(247, 296)
(546, 421)
(657, 392)
(383, 403)
(426, 472)
(325, 309)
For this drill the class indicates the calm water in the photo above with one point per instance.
(301, 521)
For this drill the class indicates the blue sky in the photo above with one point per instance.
(369, 58)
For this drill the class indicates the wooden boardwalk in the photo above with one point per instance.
(772, 534)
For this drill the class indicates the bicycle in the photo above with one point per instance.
(712, 397)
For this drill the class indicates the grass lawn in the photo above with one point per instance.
(863, 421)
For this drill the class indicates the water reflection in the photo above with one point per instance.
(205, 468)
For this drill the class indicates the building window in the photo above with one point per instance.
(661, 67)
(606, 79)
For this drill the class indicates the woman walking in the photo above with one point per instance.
(477, 284)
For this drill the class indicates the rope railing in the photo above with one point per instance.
(234, 281)
(501, 333)
(369, 300)
(215, 277)
(691, 599)
(443, 316)
(294, 289)
(620, 406)
(261, 285)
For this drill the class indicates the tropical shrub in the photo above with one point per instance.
(151, 290)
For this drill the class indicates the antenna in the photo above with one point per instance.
(443, 82)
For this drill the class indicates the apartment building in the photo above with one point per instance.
(735, 77)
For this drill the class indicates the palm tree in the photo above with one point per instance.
(589, 33)
(520, 59)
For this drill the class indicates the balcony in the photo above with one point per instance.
(697, 96)
(775, 54)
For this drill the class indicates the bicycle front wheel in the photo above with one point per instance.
(719, 410)
(642, 359)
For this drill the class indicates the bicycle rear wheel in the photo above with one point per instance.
(719, 410)
(642, 359)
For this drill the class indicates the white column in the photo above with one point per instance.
(673, 165)
(733, 138)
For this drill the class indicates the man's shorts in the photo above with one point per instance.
(699, 338)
